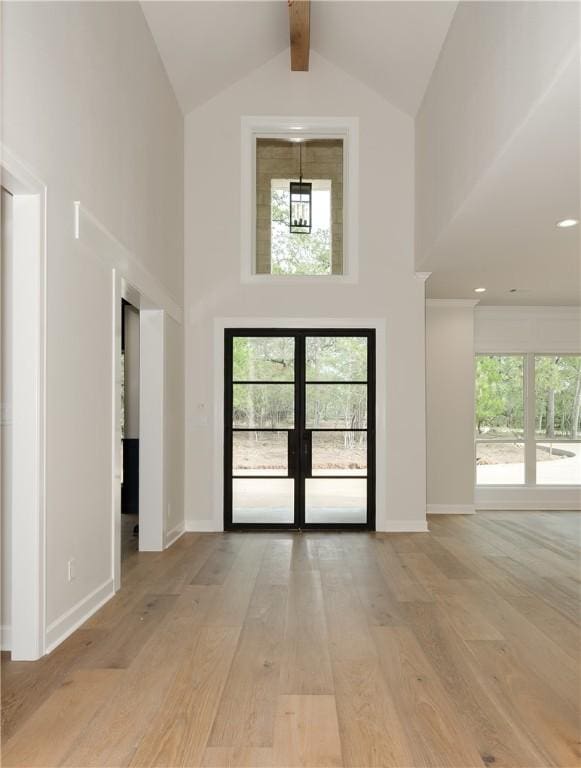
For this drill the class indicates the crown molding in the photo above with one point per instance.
(443, 303)
(524, 309)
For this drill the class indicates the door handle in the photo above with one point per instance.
(307, 453)
(292, 452)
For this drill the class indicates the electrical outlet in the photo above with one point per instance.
(71, 569)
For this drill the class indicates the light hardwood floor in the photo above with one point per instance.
(454, 648)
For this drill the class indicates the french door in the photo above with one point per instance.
(299, 429)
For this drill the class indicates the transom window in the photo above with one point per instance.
(293, 253)
(299, 206)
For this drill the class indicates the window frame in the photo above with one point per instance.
(532, 418)
(508, 440)
(530, 438)
(345, 128)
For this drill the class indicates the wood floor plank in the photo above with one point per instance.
(305, 662)
(38, 679)
(124, 641)
(112, 736)
(238, 757)
(436, 733)
(365, 707)
(496, 736)
(307, 732)
(216, 568)
(179, 732)
(233, 598)
(48, 734)
(541, 653)
(245, 715)
(455, 648)
(554, 625)
(404, 587)
(550, 723)
(372, 734)
(426, 572)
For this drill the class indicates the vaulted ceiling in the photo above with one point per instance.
(390, 46)
(503, 234)
(503, 237)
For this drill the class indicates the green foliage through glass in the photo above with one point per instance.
(300, 254)
(263, 358)
(499, 396)
(336, 358)
(558, 396)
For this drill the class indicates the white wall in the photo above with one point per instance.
(450, 405)
(87, 106)
(387, 285)
(497, 62)
(527, 329)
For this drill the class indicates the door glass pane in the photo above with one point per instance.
(336, 358)
(262, 501)
(336, 501)
(499, 396)
(264, 406)
(500, 463)
(260, 453)
(263, 358)
(339, 453)
(331, 406)
(558, 396)
(559, 463)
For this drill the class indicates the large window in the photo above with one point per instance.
(528, 419)
(500, 454)
(558, 419)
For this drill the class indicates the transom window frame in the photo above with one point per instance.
(345, 128)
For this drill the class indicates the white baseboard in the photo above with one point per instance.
(391, 526)
(528, 506)
(451, 509)
(202, 526)
(5, 637)
(173, 535)
(404, 526)
(533, 498)
(65, 625)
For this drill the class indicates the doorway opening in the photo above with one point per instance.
(130, 374)
(138, 436)
(299, 429)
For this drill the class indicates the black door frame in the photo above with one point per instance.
(298, 455)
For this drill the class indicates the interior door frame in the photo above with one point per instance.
(26, 637)
(300, 383)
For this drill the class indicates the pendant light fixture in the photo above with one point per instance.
(301, 195)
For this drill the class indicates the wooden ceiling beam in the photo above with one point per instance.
(299, 16)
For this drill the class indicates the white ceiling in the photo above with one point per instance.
(504, 235)
(390, 46)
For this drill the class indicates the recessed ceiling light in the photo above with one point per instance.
(479, 290)
(564, 223)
